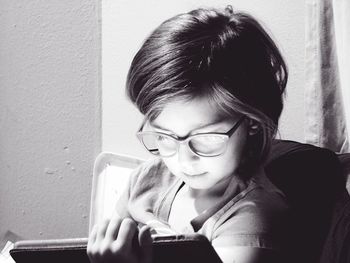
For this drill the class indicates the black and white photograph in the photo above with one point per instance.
(180, 131)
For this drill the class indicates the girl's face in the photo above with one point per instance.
(182, 118)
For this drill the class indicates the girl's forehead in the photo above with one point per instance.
(190, 115)
(199, 108)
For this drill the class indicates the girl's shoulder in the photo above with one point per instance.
(265, 201)
(259, 217)
(255, 209)
(152, 173)
(149, 166)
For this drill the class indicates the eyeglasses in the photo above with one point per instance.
(202, 144)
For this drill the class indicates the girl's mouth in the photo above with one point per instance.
(194, 174)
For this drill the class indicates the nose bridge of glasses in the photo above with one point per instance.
(185, 141)
(185, 152)
(182, 141)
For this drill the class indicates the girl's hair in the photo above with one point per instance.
(223, 55)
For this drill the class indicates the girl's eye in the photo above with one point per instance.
(209, 139)
(210, 144)
(164, 139)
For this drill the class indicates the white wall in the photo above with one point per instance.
(50, 122)
(125, 24)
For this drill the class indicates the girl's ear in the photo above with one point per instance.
(253, 127)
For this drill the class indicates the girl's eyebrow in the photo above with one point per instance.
(215, 122)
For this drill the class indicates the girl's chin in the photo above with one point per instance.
(205, 182)
(198, 182)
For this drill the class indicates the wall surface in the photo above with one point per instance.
(125, 24)
(50, 121)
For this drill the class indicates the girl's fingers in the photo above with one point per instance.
(127, 231)
(92, 246)
(91, 242)
(145, 238)
(145, 241)
(93, 235)
(119, 239)
(113, 229)
(101, 231)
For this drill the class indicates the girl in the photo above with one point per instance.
(210, 85)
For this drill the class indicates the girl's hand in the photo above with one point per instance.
(118, 240)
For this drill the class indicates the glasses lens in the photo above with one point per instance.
(159, 144)
(208, 145)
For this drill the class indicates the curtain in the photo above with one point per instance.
(327, 93)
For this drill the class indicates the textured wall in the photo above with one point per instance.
(125, 24)
(50, 122)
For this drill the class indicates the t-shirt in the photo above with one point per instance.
(250, 213)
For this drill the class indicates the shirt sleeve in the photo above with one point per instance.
(121, 207)
(146, 185)
(258, 221)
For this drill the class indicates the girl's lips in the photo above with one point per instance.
(194, 174)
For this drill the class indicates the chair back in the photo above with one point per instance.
(110, 178)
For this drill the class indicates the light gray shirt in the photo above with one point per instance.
(252, 213)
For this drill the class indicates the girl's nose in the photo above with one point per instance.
(185, 154)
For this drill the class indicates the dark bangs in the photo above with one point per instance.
(227, 57)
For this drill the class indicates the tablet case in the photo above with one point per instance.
(53, 251)
(184, 249)
(166, 249)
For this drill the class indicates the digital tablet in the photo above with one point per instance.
(183, 249)
(166, 249)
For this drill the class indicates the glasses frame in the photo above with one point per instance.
(185, 139)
